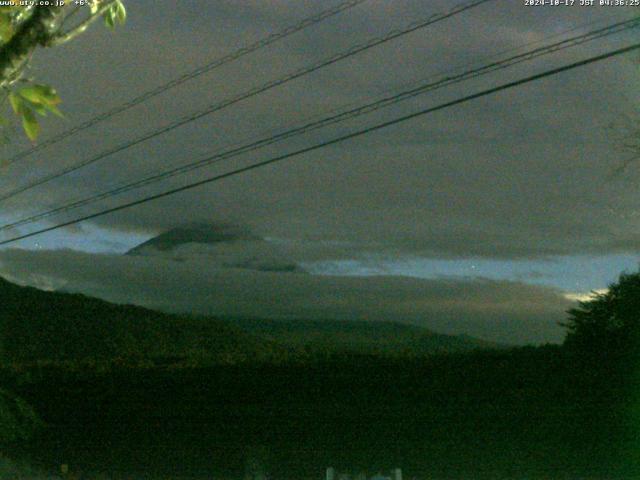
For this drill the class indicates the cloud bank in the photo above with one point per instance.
(502, 311)
(521, 174)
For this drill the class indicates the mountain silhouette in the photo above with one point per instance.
(223, 245)
(202, 233)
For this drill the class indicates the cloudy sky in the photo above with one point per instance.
(485, 218)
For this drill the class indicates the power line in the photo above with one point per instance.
(517, 48)
(333, 141)
(219, 62)
(343, 116)
(251, 93)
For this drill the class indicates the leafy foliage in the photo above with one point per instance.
(40, 99)
(453, 416)
(18, 420)
(609, 322)
(11, 16)
(115, 14)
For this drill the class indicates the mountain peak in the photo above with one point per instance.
(195, 233)
(224, 245)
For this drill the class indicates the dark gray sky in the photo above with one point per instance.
(509, 197)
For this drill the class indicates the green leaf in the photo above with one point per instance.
(40, 94)
(17, 103)
(34, 99)
(121, 12)
(115, 14)
(39, 109)
(53, 109)
(6, 27)
(109, 19)
(30, 124)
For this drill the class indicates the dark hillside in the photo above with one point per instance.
(36, 325)
(39, 325)
(360, 337)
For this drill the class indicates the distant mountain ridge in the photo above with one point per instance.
(36, 325)
(359, 337)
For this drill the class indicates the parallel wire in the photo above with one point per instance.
(251, 93)
(333, 141)
(340, 117)
(219, 62)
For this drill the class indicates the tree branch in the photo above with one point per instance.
(36, 31)
(61, 38)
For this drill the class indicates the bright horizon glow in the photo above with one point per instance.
(585, 297)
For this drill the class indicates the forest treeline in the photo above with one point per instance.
(38, 328)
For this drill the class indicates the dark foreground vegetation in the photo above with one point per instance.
(527, 413)
(570, 411)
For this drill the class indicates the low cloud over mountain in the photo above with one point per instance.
(225, 245)
(228, 273)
